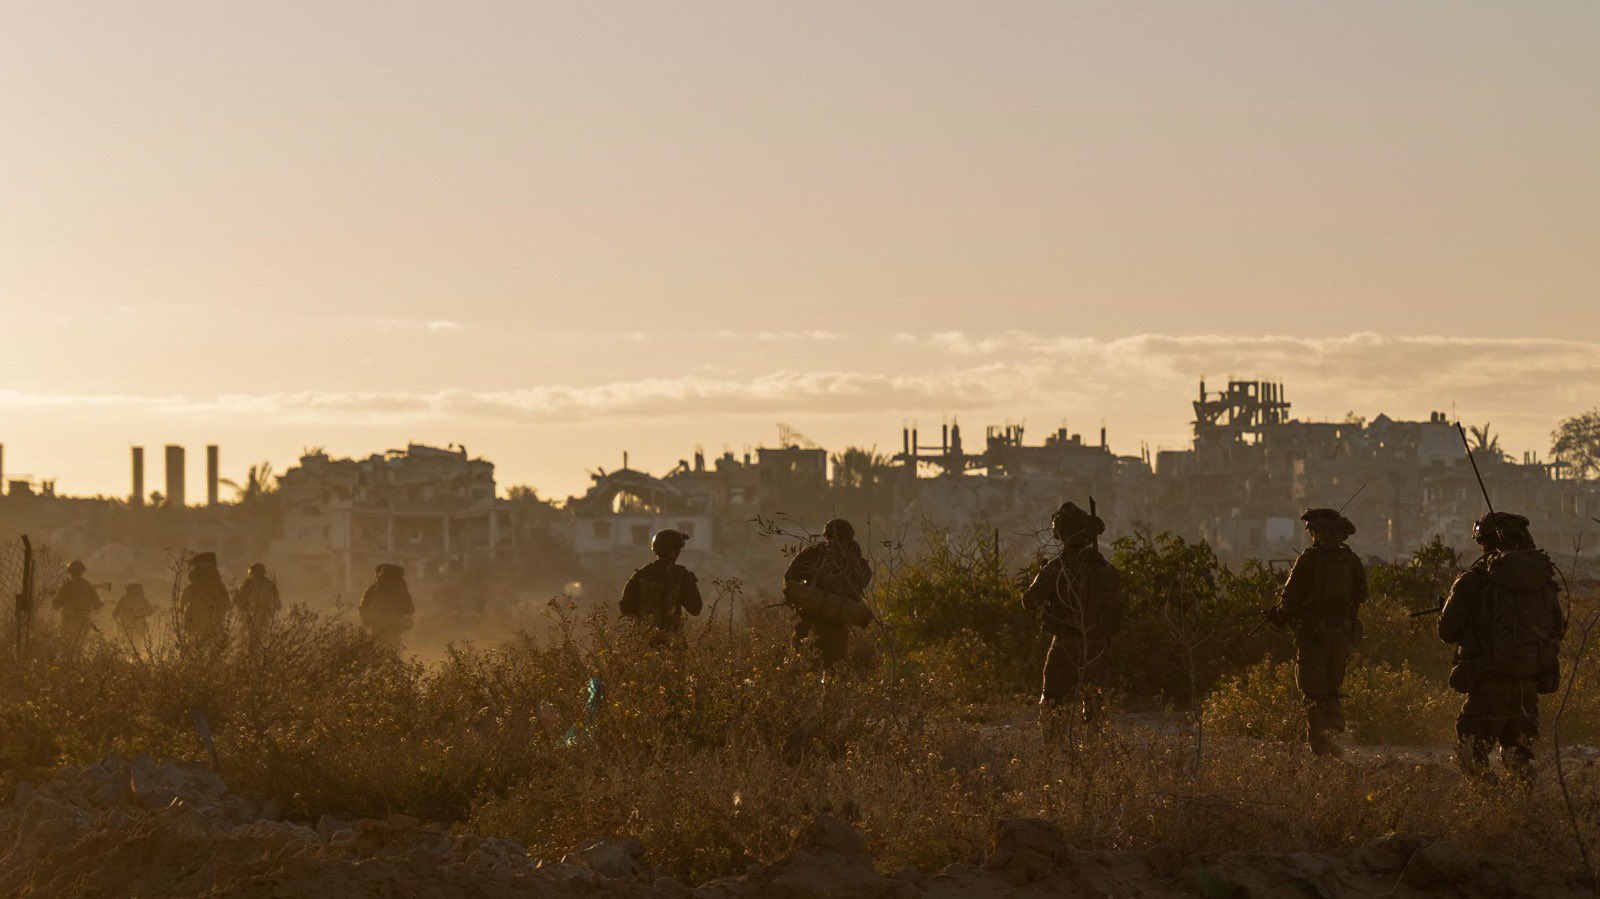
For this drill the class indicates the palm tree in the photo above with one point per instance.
(1485, 442)
(258, 484)
(857, 467)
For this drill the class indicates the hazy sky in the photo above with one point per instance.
(558, 231)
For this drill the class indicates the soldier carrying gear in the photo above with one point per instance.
(257, 600)
(1321, 604)
(204, 599)
(132, 614)
(1078, 595)
(76, 600)
(1505, 618)
(659, 593)
(825, 584)
(386, 606)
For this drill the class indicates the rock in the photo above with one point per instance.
(402, 822)
(829, 835)
(1034, 834)
(1027, 866)
(1439, 865)
(1391, 854)
(608, 858)
(670, 888)
(328, 827)
(422, 862)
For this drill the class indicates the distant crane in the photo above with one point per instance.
(790, 437)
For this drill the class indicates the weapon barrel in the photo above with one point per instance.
(1475, 472)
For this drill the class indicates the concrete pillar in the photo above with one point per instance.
(175, 477)
(137, 499)
(212, 459)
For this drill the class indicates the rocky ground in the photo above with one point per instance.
(142, 828)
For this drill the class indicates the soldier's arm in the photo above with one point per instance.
(1455, 619)
(804, 566)
(1298, 586)
(1358, 584)
(1043, 588)
(691, 601)
(630, 596)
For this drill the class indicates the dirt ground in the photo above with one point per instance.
(143, 828)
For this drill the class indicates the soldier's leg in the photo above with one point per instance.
(1312, 675)
(1522, 727)
(1330, 711)
(1060, 697)
(1093, 666)
(1476, 731)
(1060, 688)
(834, 640)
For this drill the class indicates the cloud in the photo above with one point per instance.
(431, 325)
(815, 336)
(1140, 384)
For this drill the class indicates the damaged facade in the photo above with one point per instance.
(1250, 470)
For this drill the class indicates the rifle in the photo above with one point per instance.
(1269, 618)
(1423, 613)
(1352, 498)
(1475, 472)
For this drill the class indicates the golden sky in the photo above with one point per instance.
(558, 231)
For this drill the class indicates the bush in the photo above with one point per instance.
(1178, 594)
(956, 608)
(1383, 705)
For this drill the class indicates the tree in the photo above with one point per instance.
(1575, 444)
(258, 484)
(860, 468)
(1485, 443)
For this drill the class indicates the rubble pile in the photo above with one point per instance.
(138, 827)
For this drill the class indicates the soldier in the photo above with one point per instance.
(386, 606)
(204, 599)
(1079, 596)
(1321, 603)
(659, 593)
(257, 600)
(1507, 623)
(132, 614)
(825, 584)
(76, 600)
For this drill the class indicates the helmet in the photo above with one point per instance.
(257, 569)
(388, 568)
(1501, 526)
(76, 567)
(839, 529)
(668, 541)
(1328, 521)
(1070, 521)
(201, 560)
(133, 591)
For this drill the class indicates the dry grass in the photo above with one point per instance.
(714, 748)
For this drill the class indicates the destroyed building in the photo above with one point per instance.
(430, 510)
(1252, 468)
(1241, 484)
